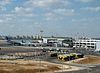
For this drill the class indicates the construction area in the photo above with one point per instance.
(39, 66)
(31, 60)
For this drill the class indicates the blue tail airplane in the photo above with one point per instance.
(22, 42)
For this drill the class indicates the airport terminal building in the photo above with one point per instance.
(93, 44)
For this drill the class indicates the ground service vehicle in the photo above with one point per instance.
(53, 54)
(71, 56)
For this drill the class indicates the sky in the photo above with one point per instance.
(53, 17)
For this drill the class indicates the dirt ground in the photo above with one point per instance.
(29, 68)
(22, 66)
(88, 60)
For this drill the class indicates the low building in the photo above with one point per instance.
(58, 41)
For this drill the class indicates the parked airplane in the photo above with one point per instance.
(23, 42)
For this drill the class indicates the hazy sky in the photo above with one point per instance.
(54, 17)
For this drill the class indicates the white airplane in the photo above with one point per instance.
(23, 42)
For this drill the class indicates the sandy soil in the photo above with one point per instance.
(22, 66)
(88, 60)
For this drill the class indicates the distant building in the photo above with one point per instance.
(68, 42)
(92, 44)
(58, 41)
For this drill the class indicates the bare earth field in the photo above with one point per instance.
(22, 66)
(88, 60)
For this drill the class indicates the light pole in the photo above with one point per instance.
(41, 31)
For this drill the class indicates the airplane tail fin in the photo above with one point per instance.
(8, 39)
